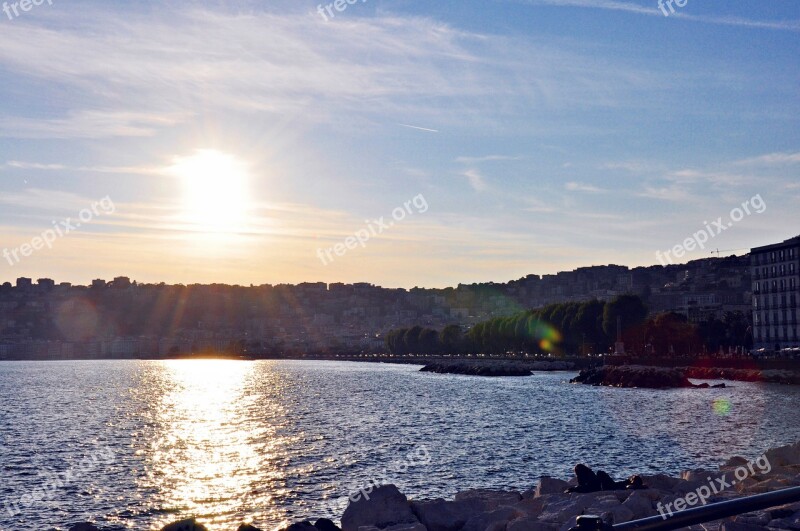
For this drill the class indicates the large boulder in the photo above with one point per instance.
(528, 523)
(640, 503)
(324, 524)
(784, 455)
(495, 520)
(548, 485)
(788, 522)
(490, 499)
(660, 482)
(184, 525)
(385, 507)
(84, 526)
(301, 526)
(442, 515)
(247, 527)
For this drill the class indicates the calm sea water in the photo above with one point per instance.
(144, 443)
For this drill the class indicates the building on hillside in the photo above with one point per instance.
(776, 290)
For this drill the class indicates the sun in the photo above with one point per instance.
(216, 195)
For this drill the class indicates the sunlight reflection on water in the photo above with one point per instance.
(273, 442)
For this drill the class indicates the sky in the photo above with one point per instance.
(399, 142)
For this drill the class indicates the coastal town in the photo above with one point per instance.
(125, 319)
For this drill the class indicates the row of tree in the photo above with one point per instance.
(580, 328)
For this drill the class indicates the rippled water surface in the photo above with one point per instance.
(144, 443)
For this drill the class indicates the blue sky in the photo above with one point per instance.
(544, 135)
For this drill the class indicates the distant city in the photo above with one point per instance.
(125, 319)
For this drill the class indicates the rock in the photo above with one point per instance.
(791, 522)
(760, 518)
(247, 527)
(634, 376)
(323, 524)
(527, 523)
(385, 507)
(660, 482)
(490, 499)
(406, 527)
(301, 526)
(478, 369)
(84, 526)
(616, 515)
(640, 504)
(548, 485)
(734, 462)
(768, 486)
(700, 475)
(735, 526)
(184, 525)
(780, 513)
(784, 455)
(492, 521)
(534, 506)
(441, 515)
(562, 510)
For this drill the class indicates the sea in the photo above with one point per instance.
(138, 444)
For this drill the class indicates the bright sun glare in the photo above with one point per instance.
(215, 190)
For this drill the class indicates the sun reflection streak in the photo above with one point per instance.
(210, 457)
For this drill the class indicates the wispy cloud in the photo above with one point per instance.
(20, 165)
(629, 7)
(476, 180)
(402, 65)
(420, 128)
(486, 158)
(772, 159)
(582, 187)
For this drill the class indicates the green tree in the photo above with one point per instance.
(630, 310)
(451, 339)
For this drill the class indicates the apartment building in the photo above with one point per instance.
(776, 291)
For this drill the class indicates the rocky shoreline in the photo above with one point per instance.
(638, 376)
(495, 368)
(651, 377)
(548, 507)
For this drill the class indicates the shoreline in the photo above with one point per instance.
(553, 504)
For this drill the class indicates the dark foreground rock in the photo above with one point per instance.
(185, 525)
(479, 369)
(548, 508)
(636, 376)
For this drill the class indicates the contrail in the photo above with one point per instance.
(420, 128)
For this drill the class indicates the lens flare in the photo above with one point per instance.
(722, 407)
(545, 334)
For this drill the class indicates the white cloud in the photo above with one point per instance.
(582, 187)
(772, 159)
(476, 180)
(486, 158)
